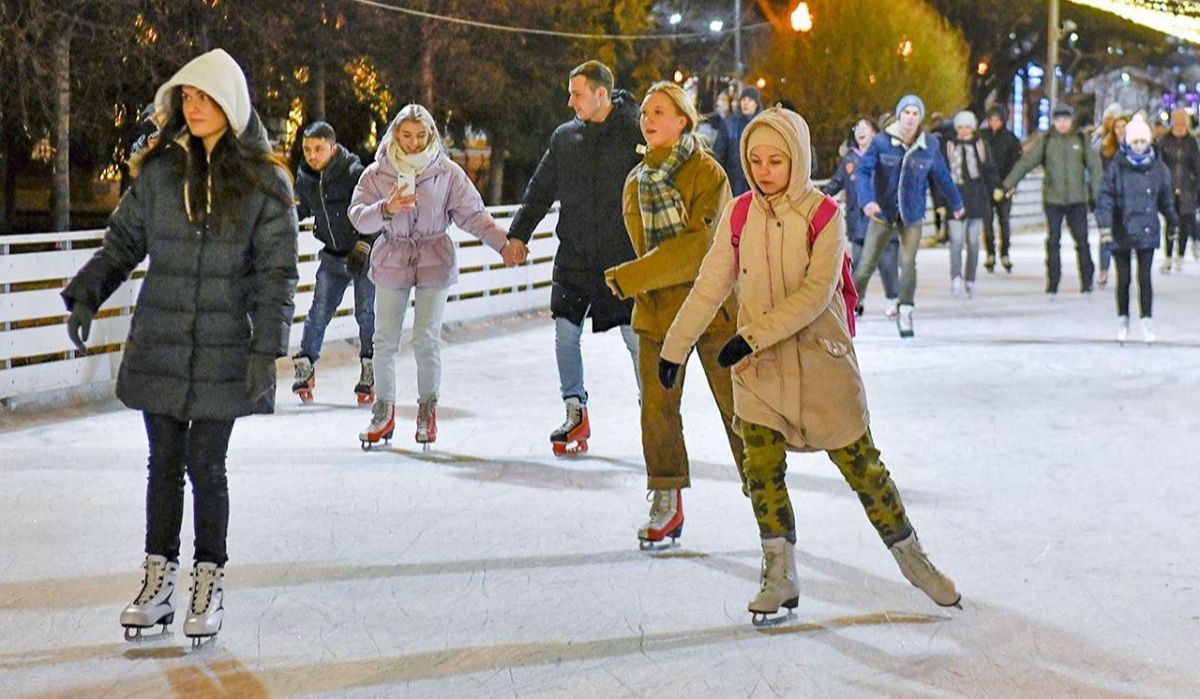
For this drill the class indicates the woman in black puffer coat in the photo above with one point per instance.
(1136, 188)
(213, 211)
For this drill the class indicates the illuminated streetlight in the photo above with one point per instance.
(802, 19)
(679, 76)
(983, 67)
(675, 18)
(761, 83)
(716, 25)
(905, 49)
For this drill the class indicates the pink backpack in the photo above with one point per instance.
(821, 218)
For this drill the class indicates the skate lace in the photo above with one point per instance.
(204, 580)
(303, 370)
(380, 413)
(574, 417)
(425, 414)
(660, 504)
(368, 374)
(154, 574)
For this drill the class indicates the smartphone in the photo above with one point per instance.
(405, 179)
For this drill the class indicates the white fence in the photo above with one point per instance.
(37, 357)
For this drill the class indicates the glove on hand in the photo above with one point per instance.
(999, 195)
(356, 261)
(79, 325)
(667, 371)
(260, 376)
(734, 351)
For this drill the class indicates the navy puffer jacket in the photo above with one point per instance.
(1131, 197)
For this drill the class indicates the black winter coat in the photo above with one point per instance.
(1004, 148)
(210, 298)
(1131, 197)
(1182, 158)
(585, 169)
(325, 196)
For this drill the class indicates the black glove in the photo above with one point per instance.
(734, 351)
(260, 376)
(356, 261)
(1092, 205)
(79, 325)
(667, 371)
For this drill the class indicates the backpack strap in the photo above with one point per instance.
(737, 219)
(824, 213)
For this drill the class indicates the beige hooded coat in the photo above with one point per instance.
(802, 378)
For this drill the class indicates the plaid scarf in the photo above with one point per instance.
(661, 205)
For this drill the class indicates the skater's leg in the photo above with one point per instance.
(390, 307)
(720, 382)
(631, 344)
(332, 279)
(869, 478)
(1054, 221)
(364, 315)
(1187, 230)
(856, 250)
(427, 339)
(1004, 209)
(1123, 261)
(910, 241)
(1145, 259)
(958, 237)
(1077, 219)
(164, 484)
(989, 232)
(972, 228)
(889, 267)
(207, 444)
(662, 426)
(765, 468)
(567, 336)
(878, 235)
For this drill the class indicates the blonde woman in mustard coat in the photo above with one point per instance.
(796, 382)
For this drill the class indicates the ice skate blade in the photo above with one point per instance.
(763, 620)
(570, 448)
(199, 642)
(134, 634)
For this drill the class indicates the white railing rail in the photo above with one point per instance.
(37, 357)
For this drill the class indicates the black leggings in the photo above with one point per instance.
(1145, 259)
(199, 449)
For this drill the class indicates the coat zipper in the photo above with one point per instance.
(321, 193)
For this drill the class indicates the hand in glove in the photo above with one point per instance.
(999, 195)
(79, 325)
(667, 371)
(357, 260)
(734, 351)
(260, 376)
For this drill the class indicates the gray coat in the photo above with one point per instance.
(1131, 198)
(210, 297)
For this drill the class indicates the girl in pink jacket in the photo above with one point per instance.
(411, 194)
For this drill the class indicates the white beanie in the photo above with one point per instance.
(221, 78)
(1137, 129)
(966, 118)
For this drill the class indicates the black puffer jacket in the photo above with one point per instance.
(325, 196)
(585, 169)
(1005, 150)
(210, 298)
(1182, 158)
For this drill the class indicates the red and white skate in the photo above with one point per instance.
(364, 398)
(570, 439)
(381, 427)
(306, 379)
(666, 520)
(426, 423)
(364, 390)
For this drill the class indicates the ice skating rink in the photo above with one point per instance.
(1052, 473)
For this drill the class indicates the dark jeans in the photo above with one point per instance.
(1077, 219)
(199, 448)
(1002, 211)
(332, 280)
(1145, 260)
(1187, 229)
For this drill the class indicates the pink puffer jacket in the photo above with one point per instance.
(415, 249)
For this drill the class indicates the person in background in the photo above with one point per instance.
(725, 150)
(1004, 148)
(1180, 153)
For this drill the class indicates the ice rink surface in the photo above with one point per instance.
(1051, 472)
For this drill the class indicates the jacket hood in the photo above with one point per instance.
(625, 107)
(218, 75)
(384, 163)
(794, 130)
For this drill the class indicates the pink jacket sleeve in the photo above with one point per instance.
(466, 210)
(366, 205)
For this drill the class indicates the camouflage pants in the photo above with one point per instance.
(765, 468)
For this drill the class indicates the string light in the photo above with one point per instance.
(1172, 17)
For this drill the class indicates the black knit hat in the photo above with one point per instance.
(752, 93)
(1063, 110)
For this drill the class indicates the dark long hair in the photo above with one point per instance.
(238, 167)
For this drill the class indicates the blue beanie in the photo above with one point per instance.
(910, 101)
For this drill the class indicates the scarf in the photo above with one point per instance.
(1138, 160)
(965, 164)
(661, 205)
(416, 163)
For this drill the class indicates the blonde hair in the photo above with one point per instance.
(683, 103)
(419, 114)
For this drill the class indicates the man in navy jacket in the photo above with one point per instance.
(893, 182)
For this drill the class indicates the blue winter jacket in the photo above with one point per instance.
(1131, 197)
(845, 178)
(727, 149)
(898, 179)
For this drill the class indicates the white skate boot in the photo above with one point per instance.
(666, 520)
(778, 580)
(904, 322)
(1122, 329)
(1148, 331)
(426, 422)
(919, 571)
(207, 611)
(155, 603)
(382, 425)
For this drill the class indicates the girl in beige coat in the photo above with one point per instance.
(796, 383)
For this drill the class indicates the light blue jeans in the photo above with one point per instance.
(390, 308)
(567, 338)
